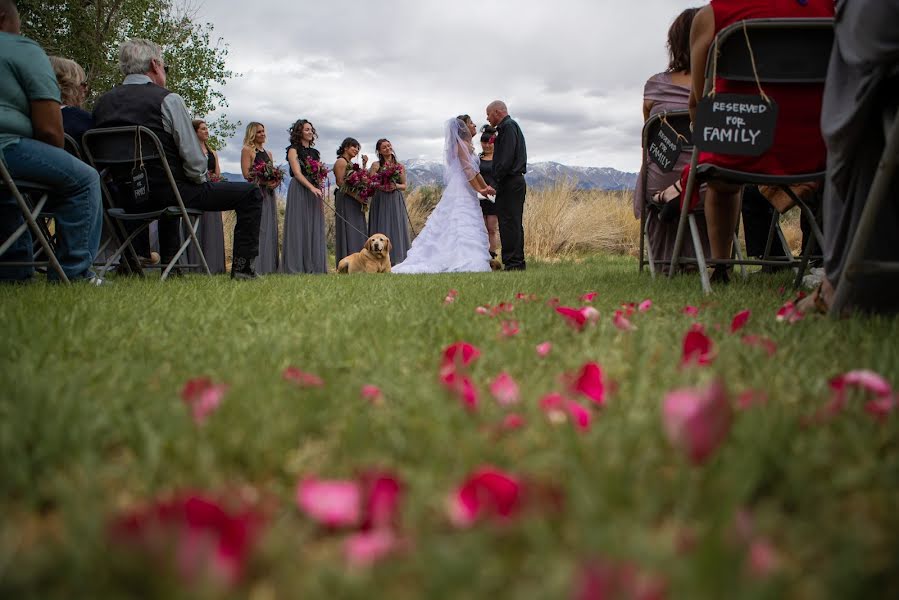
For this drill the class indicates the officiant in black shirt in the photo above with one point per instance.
(510, 158)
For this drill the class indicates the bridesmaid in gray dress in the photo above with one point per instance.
(388, 207)
(252, 153)
(211, 232)
(349, 223)
(304, 222)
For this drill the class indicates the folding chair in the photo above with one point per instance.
(117, 148)
(881, 192)
(677, 123)
(783, 51)
(31, 215)
(71, 146)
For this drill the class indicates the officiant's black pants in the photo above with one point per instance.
(510, 210)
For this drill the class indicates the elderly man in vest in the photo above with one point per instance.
(142, 99)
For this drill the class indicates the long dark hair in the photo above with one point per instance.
(381, 157)
(296, 134)
(679, 42)
(487, 132)
(347, 143)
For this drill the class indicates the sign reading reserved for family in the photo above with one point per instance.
(665, 147)
(735, 124)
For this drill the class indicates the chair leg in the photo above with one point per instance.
(685, 209)
(738, 251)
(806, 257)
(126, 245)
(642, 237)
(649, 256)
(700, 257)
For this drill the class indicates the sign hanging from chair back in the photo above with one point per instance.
(735, 124)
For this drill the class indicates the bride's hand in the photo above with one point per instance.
(489, 191)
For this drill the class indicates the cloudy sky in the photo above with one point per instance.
(571, 71)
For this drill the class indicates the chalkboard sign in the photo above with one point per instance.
(665, 147)
(735, 124)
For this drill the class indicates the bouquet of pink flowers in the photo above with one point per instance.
(389, 175)
(266, 174)
(316, 172)
(211, 177)
(357, 182)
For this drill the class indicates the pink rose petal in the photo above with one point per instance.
(505, 389)
(301, 378)
(335, 503)
(544, 349)
(691, 311)
(591, 315)
(573, 316)
(382, 493)
(458, 355)
(645, 306)
(488, 493)
(366, 548)
(509, 329)
(590, 382)
(698, 348)
(751, 398)
(606, 580)
(203, 397)
(767, 344)
(697, 421)
(580, 415)
(589, 297)
(629, 308)
(512, 422)
(463, 387)
(763, 559)
(621, 322)
(789, 313)
(739, 321)
(559, 409)
(874, 384)
(373, 394)
(482, 310)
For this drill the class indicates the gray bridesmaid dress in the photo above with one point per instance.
(267, 260)
(305, 249)
(349, 226)
(211, 234)
(387, 215)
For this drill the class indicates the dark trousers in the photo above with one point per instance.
(510, 197)
(243, 198)
(757, 213)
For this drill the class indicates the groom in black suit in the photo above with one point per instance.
(510, 160)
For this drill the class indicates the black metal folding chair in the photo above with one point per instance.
(32, 214)
(116, 148)
(882, 191)
(780, 51)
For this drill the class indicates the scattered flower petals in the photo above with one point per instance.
(573, 316)
(502, 307)
(691, 311)
(621, 322)
(381, 492)
(697, 421)
(373, 394)
(488, 493)
(645, 306)
(335, 503)
(482, 310)
(460, 354)
(789, 313)
(559, 409)
(763, 559)
(463, 387)
(552, 302)
(512, 422)
(544, 349)
(605, 580)
(203, 397)
(697, 348)
(629, 308)
(201, 538)
(589, 297)
(526, 297)
(509, 328)
(505, 389)
(590, 383)
(880, 407)
(767, 344)
(366, 548)
(450, 297)
(590, 314)
(739, 321)
(301, 378)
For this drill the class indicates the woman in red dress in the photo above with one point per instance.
(798, 146)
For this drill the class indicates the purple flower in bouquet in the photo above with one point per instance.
(316, 172)
(390, 175)
(358, 183)
(266, 174)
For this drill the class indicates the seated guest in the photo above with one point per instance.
(798, 146)
(142, 99)
(665, 92)
(31, 142)
(860, 99)
(73, 89)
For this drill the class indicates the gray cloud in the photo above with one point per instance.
(572, 71)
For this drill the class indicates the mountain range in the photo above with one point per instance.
(542, 174)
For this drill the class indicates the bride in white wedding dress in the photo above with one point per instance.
(454, 239)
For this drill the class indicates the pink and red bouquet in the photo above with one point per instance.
(357, 182)
(266, 174)
(389, 175)
(211, 177)
(316, 172)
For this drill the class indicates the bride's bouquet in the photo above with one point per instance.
(358, 183)
(316, 172)
(265, 174)
(389, 175)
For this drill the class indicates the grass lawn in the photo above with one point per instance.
(92, 425)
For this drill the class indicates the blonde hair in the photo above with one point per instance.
(69, 77)
(250, 136)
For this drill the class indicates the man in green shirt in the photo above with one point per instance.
(31, 147)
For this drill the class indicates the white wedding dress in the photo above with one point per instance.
(454, 239)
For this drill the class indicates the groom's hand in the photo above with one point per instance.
(489, 191)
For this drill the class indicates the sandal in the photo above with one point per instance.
(814, 303)
(668, 202)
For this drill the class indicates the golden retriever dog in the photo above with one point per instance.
(373, 258)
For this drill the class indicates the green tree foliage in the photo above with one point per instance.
(90, 31)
